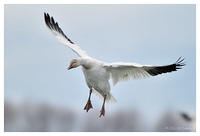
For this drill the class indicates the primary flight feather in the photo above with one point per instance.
(97, 73)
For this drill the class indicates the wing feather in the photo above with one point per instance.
(61, 37)
(127, 71)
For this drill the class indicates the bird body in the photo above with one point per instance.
(98, 73)
(97, 77)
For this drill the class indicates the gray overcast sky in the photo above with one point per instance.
(35, 63)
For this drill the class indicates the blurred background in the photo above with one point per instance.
(41, 95)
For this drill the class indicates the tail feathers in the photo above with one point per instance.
(109, 99)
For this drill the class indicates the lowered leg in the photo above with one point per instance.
(102, 112)
(88, 105)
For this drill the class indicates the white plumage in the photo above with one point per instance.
(98, 73)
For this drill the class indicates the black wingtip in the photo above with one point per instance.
(180, 63)
(53, 25)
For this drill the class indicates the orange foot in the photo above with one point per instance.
(88, 106)
(102, 112)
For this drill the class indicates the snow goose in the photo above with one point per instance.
(98, 73)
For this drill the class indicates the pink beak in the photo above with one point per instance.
(70, 66)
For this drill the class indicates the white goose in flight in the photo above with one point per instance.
(98, 73)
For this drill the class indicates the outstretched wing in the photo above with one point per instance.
(61, 37)
(126, 71)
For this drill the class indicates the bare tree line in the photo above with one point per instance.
(42, 117)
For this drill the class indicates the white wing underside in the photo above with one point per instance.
(126, 71)
(74, 47)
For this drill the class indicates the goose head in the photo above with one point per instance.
(74, 63)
